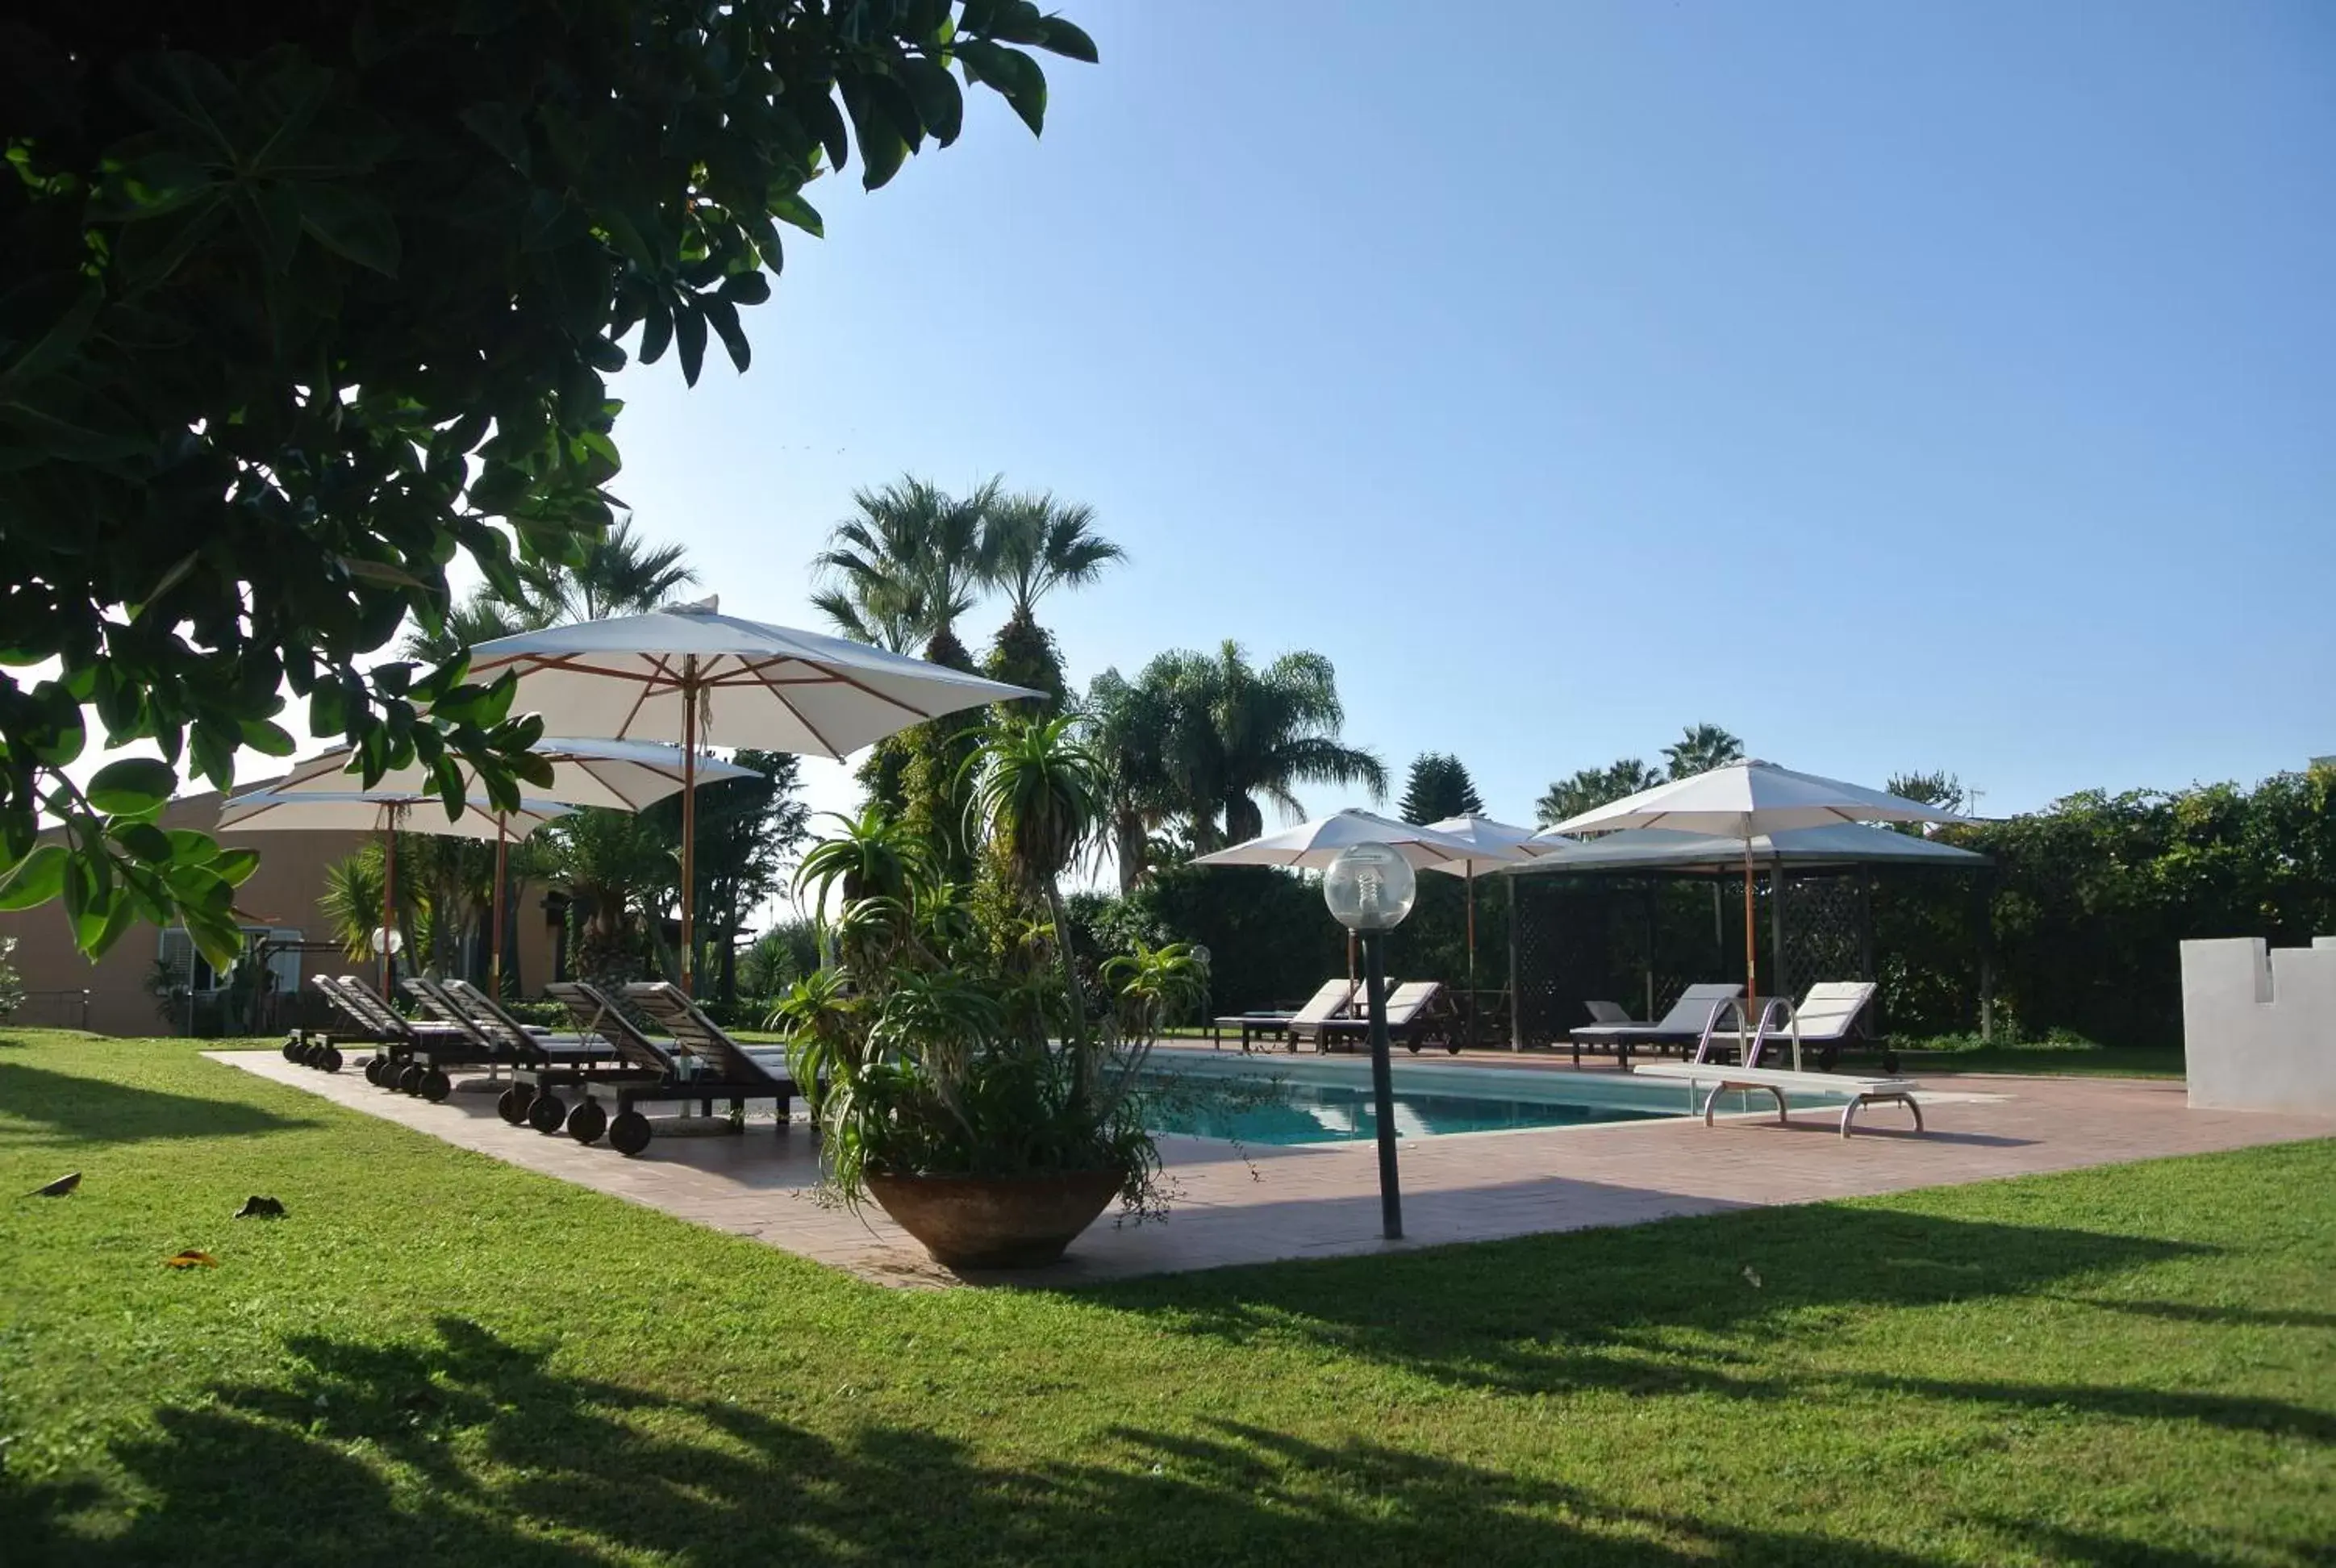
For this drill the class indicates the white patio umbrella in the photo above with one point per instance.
(620, 775)
(1502, 843)
(1313, 845)
(1745, 800)
(690, 673)
(386, 811)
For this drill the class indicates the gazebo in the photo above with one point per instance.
(1612, 917)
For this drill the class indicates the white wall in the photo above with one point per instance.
(2259, 1028)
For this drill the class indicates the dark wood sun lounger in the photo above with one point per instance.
(395, 1037)
(703, 1064)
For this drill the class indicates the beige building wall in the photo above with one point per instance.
(280, 896)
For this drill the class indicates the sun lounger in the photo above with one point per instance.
(1691, 1022)
(377, 1023)
(705, 1065)
(1609, 1013)
(1777, 1081)
(1826, 1019)
(541, 1063)
(1411, 1016)
(1327, 1002)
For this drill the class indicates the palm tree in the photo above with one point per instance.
(1128, 724)
(909, 565)
(620, 575)
(1593, 787)
(1233, 733)
(1701, 748)
(1035, 544)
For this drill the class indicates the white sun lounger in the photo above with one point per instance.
(1690, 1021)
(1825, 1020)
(1777, 1081)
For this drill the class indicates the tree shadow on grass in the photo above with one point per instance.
(69, 1108)
(1639, 1307)
(471, 1449)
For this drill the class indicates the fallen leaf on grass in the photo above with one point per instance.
(190, 1259)
(58, 1188)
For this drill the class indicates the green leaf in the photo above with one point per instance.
(133, 785)
(351, 224)
(267, 738)
(689, 331)
(1066, 39)
(941, 102)
(144, 839)
(793, 209)
(233, 866)
(37, 879)
(724, 317)
(189, 848)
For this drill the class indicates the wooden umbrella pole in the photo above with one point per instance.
(1751, 940)
(388, 894)
(1471, 873)
(688, 820)
(495, 947)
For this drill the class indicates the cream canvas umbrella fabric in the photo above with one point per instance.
(1502, 844)
(618, 775)
(692, 675)
(1745, 800)
(388, 813)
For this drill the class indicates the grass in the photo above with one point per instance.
(2069, 1056)
(439, 1357)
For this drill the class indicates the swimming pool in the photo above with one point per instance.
(1273, 1100)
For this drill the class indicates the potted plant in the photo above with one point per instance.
(962, 1080)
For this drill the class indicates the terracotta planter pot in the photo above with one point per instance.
(995, 1222)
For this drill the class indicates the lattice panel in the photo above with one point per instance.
(1824, 932)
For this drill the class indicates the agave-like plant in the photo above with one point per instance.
(1040, 795)
(949, 1043)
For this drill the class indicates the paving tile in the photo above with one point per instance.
(1322, 1200)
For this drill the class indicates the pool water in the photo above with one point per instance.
(1253, 1101)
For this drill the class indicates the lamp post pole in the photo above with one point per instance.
(1383, 1088)
(1369, 888)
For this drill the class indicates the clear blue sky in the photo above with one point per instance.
(1900, 386)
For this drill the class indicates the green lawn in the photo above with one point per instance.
(1967, 1054)
(438, 1358)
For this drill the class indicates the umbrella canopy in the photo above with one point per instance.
(690, 673)
(1668, 849)
(755, 685)
(377, 811)
(1743, 800)
(1502, 843)
(389, 813)
(1497, 844)
(1746, 799)
(1315, 845)
(620, 775)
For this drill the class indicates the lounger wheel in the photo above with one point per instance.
(373, 1067)
(587, 1122)
(512, 1103)
(629, 1135)
(329, 1059)
(546, 1112)
(435, 1086)
(409, 1078)
(293, 1045)
(1451, 1047)
(1889, 1061)
(1828, 1059)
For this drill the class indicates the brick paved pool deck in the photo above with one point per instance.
(1322, 1200)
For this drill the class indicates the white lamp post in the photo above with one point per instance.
(1369, 888)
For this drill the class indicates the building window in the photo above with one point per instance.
(190, 969)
